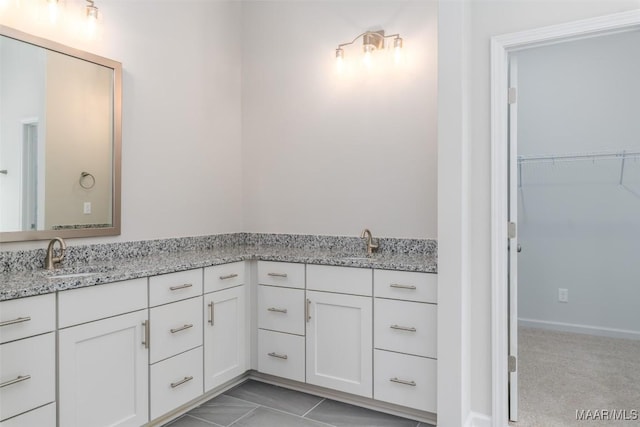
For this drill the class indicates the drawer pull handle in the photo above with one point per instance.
(147, 336)
(15, 381)
(401, 286)
(277, 274)
(405, 382)
(14, 321)
(307, 310)
(181, 328)
(279, 356)
(228, 276)
(277, 310)
(178, 287)
(211, 313)
(403, 328)
(182, 381)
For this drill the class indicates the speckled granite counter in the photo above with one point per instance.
(28, 282)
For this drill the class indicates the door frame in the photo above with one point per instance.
(501, 46)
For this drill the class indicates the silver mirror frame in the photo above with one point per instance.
(114, 230)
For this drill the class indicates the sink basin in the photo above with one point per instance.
(77, 272)
(69, 275)
(357, 258)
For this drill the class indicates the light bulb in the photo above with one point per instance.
(92, 19)
(53, 10)
(367, 59)
(397, 50)
(339, 60)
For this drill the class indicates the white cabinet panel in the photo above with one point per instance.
(83, 305)
(171, 287)
(405, 380)
(225, 336)
(345, 280)
(281, 309)
(286, 274)
(175, 328)
(406, 327)
(406, 285)
(24, 317)
(339, 342)
(28, 372)
(281, 354)
(175, 381)
(103, 373)
(45, 416)
(223, 276)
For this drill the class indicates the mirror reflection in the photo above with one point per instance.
(57, 143)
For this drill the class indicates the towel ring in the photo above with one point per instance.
(84, 176)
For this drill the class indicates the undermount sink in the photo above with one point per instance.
(69, 275)
(77, 272)
(357, 258)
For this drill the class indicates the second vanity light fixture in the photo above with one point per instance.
(91, 13)
(371, 41)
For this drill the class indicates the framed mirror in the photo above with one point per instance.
(60, 140)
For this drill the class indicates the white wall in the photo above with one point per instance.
(490, 18)
(579, 228)
(181, 170)
(326, 153)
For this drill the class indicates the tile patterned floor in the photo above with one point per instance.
(257, 404)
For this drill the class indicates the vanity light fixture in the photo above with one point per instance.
(53, 10)
(91, 11)
(371, 41)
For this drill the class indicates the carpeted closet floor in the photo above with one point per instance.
(561, 372)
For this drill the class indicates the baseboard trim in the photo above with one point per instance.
(476, 419)
(580, 329)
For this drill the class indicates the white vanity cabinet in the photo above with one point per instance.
(225, 324)
(339, 329)
(405, 365)
(103, 356)
(27, 361)
(175, 324)
(281, 319)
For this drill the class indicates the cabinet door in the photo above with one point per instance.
(103, 373)
(339, 342)
(225, 336)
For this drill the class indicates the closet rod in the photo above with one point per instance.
(571, 157)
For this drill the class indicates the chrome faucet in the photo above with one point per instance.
(50, 260)
(372, 244)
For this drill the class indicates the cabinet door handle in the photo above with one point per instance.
(307, 310)
(405, 382)
(181, 328)
(14, 321)
(211, 313)
(277, 310)
(228, 276)
(19, 379)
(279, 356)
(277, 274)
(146, 337)
(182, 381)
(403, 328)
(178, 287)
(401, 286)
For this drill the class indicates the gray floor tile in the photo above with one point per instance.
(223, 410)
(275, 397)
(264, 417)
(187, 421)
(344, 415)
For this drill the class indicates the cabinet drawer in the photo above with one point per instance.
(176, 381)
(24, 317)
(172, 287)
(44, 416)
(281, 354)
(406, 327)
(28, 373)
(405, 285)
(98, 302)
(223, 276)
(405, 380)
(281, 309)
(285, 274)
(175, 328)
(344, 280)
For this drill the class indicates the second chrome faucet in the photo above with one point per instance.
(372, 244)
(50, 259)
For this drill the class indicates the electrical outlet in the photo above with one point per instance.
(87, 208)
(563, 295)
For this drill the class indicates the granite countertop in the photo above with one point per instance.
(36, 282)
